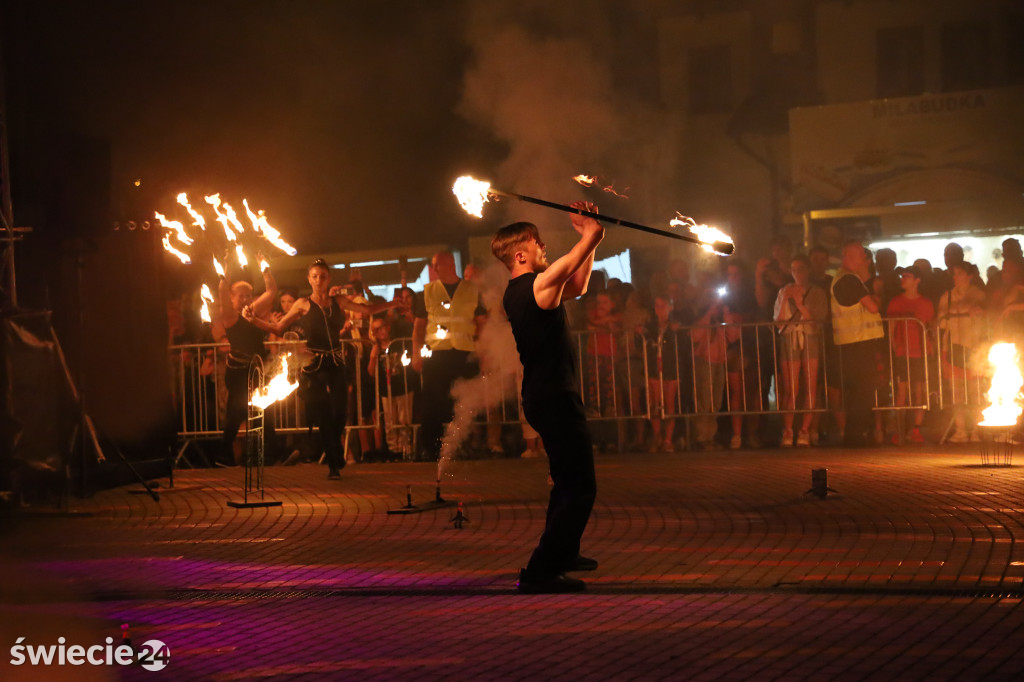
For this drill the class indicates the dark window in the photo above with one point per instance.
(900, 61)
(710, 80)
(1014, 50)
(966, 56)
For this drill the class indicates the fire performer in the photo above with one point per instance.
(323, 385)
(551, 400)
(246, 341)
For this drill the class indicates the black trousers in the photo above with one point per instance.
(860, 380)
(561, 422)
(440, 371)
(236, 380)
(324, 391)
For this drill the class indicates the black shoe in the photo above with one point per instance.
(559, 583)
(333, 474)
(582, 563)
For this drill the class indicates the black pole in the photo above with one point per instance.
(723, 248)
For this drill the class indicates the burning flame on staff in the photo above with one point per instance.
(197, 217)
(218, 267)
(183, 257)
(1005, 392)
(707, 234)
(222, 217)
(278, 388)
(207, 296)
(242, 260)
(178, 228)
(591, 180)
(472, 194)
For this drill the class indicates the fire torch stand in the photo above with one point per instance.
(254, 447)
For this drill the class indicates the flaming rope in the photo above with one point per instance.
(591, 180)
(278, 388)
(473, 194)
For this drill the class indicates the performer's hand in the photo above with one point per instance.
(581, 222)
(336, 290)
(247, 313)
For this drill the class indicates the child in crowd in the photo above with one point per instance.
(908, 345)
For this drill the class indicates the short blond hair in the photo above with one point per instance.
(509, 238)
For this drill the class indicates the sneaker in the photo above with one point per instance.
(558, 583)
(915, 435)
(736, 442)
(787, 438)
(959, 436)
(803, 439)
(530, 453)
(333, 474)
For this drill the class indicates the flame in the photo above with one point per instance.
(472, 194)
(176, 226)
(242, 260)
(207, 297)
(260, 224)
(425, 351)
(263, 264)
(233, 218)
(222, 218)
(406, 360)
(197, 217)
(1005, 393)
(591, 180)
(218, 267)
(705, 233)
(183, 257)
(278, 388)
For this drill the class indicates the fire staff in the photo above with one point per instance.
(551, 400)
(246, 341)
(323, 385)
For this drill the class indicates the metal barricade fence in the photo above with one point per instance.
(689, 372)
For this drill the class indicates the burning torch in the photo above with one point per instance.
(473, 194)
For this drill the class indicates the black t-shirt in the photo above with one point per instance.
(849, 290)
(542, 337)
(246, 339)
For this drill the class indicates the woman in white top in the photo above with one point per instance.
(801, 308)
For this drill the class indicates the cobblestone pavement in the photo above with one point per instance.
(713, 566)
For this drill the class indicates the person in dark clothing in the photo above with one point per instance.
(533, 303)
(323, 385)
(246, 343)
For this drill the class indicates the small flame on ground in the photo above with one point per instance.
(707, 234)
(277, 388)
(183, 257)
(1004, 394)
(472, 194)
(425, 351)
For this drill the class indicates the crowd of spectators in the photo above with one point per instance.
(731, 355)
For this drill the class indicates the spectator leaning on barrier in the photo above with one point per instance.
(961, 326)
(802, 308)
(908, 347)
(709, 353)
(856, 329)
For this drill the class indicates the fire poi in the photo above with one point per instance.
(473, 194)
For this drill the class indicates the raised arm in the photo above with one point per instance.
(569, 275)
(346, 303)
(265, 301)
(227, 313)
(299, 308)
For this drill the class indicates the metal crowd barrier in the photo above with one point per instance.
(710, 371)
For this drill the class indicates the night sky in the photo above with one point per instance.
(346, 121)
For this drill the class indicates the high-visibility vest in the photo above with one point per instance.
(854, 323)
(450, 316)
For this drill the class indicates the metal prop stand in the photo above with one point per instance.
(254, 446)
(997, 445)
(437, 503)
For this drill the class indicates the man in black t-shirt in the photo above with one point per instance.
(551, 400)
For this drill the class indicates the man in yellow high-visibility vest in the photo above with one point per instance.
(858, 332)
(448, 318)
